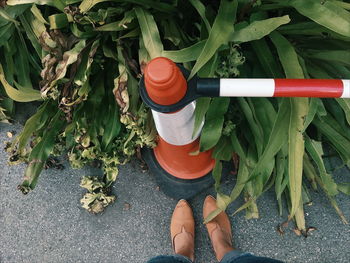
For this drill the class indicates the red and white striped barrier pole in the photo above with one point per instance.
(322, 88)
(173, 101)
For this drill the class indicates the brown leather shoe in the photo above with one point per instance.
(182, 230)
(219, 229)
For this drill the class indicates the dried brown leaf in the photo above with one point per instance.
(54, 163)
(235, 159)
(143, 164)
(127, 206)
(121, 94)
(143, 66)
(285, 224)
(280, 230)
(297, 231)
(3, 3)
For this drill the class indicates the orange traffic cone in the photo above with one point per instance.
(179, 173)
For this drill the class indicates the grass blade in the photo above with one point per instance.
(186, 54)
(150, 33)
(287, 56)
(299, 110)
(40, 153)
(345, 104)
(325, 13)
(258, 29)
(316, 152)
(212, 128)
(18, 95)
(202, 106)
(198, 5)
(219, 34)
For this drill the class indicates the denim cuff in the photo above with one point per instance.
(237, 256)
(170, 259)
(232, 255)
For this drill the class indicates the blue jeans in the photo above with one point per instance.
(234, 256)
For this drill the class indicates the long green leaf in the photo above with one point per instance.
(84, 70)
(219, 34)
(299, 111)
(17, 95)
(308, 29)
(309, 171)
(201, 11)
(217, 171)
(112, 127)
(341, 144)
(55, 3)
(58, 21)
(86, 5)
(30, 33)
(281, 176)
(186, 54)
(253, 124)
(325, 13)
(32, 125)
(211, 132)
(38, 15)
(242, 178)
(266, 58)
(202, 106)
(314, 106)
(344, 188)
(316, 152)
(8, 17)
(333, 202)
(223, 150)
(150, 33)
(287, 56)
(332, 56)
(40, 153)
(258, 29)
(277, 138)
(345, 104)
(119, 25)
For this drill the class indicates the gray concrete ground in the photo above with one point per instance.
(48, 225)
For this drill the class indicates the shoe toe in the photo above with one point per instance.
(182, 217)
(182, 211)
(209, 205)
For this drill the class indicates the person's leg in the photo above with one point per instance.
(220, 234)
(219, 229)
(182, 236)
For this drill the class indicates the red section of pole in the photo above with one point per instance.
(322, 88)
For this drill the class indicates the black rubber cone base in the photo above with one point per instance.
(172, 186)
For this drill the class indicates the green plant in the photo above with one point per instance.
(92, 53)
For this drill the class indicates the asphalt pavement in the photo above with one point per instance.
(48, 224)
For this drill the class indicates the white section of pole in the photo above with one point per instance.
(247, 87)
(177, 128)
(346, 90)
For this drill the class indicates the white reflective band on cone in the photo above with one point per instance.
(346, 90)
(177, 128)
(247, 87)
